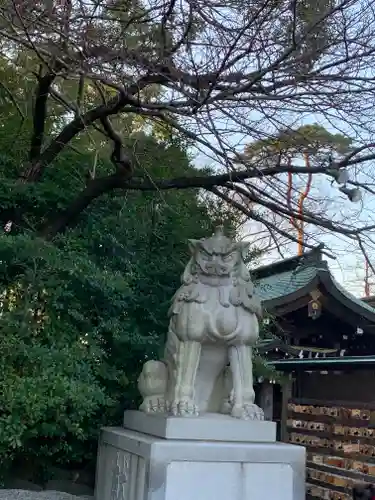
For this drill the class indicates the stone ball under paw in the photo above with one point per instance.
(153, 378)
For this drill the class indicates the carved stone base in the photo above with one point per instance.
(208, 427)
(137, 466)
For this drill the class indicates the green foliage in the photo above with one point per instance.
(313, 139)
(80, 314)
(262, 369)
(310, 24)
(50, 384)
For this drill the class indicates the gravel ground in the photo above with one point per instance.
(39, 495)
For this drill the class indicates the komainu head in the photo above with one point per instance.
(217, 256)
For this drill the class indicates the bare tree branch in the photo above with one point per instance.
(225, 78)
(114, 106)
(40, 113)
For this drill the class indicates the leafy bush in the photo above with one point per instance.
(80, 314)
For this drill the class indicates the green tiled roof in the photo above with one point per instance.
(283, 278)
(284, 283)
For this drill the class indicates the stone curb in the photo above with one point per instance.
(39, 495)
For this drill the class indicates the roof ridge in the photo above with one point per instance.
(313, 256)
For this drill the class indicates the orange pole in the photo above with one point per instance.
(289, 195)
(301, 201)
(299, 224)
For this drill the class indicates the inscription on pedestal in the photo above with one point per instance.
(120, 476)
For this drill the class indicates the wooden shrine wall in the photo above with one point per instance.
(340, 444)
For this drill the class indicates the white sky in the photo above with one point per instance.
(348, 267)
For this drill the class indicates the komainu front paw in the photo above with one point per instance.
(153, 404)
(248, 412)
(184, 408)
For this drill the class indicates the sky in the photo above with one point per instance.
(348, 265)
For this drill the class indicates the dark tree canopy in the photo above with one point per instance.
(79, 314)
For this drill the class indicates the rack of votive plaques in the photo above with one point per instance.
(340, 443)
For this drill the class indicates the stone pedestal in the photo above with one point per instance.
(207, 458)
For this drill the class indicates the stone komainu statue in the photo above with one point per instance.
(213, 322)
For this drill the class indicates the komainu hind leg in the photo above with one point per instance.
(241, 364)
(152, 384)
(186, 365)
(227, 402)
